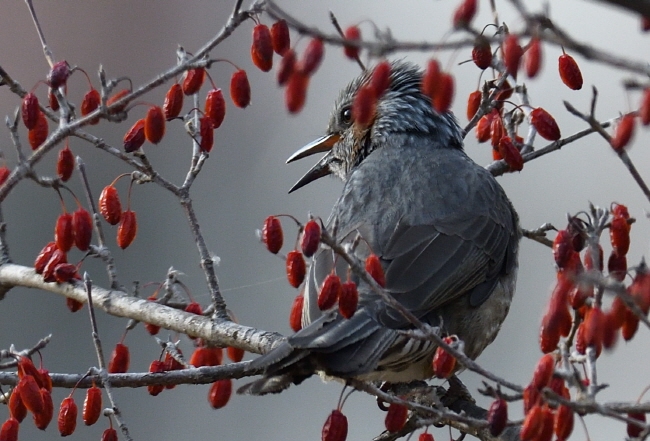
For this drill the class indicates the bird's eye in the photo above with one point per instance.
(346, 115)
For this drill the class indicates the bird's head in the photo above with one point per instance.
(401, 109)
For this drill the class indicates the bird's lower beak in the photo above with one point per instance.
(321, 168)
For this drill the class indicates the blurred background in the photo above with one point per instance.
(246, 179)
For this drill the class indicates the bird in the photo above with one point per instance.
(442, 227)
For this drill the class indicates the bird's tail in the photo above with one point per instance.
(336, 346)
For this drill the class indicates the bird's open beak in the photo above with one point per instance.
(323, 144)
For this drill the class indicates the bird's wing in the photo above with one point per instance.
(456, 238)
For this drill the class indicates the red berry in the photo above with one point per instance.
(330, 292)
(280, 38)
(193, 80)
(545, 124)
(38, 134)
(67, 416)
(380, 78)
(42, 420)
(90, 103)
(110, 206)
(443, 362)
(30, 394)
(644, 109)
(4, 174)
(240, 89)
(497, 416)
(633, 431)
(376, 271)
(312, 57)
(533, 424)
(155, 367)
(173, 101)
(352, 33)
(215, 107)
(348, 299)
(363, 106)
(431, 79)
(335, 427)
(262, 48)
(296, 91)
(57, 257)
(272, 235)
(63, 232)
(512, 53)
(127, 230)
(82, 226)
(310, 238)
(473, 103)
(511, 154)
(115, 98)
(134, 138)
(445, 93)
(623, 132)
(120, 359)
(154, 125)
(396, 417)
(92, 406)
(220, 393)
(533, 58)
(64, 272)
(287, 67)
(9, 430)
(52, 100)
(30, 110)
(65, 164)
(109, 434)
(295, 316)
(570, 72)
(206, 130)
(235, 354)
(296, 268)
(464, 13)
(16, 406)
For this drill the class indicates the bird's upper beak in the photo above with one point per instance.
(322, 168)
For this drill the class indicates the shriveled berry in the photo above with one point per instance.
(52, 100)
(532, 425)
(280, 38)
(511, 154)
(484, 124)
(155, 367)
(57, 257)
(9, 430)
(496, 131)
(482, 53)
(73, 305)
(43, 419)
(633, 431)
(220, 393)
(543, 371)
(127, 230)
(617, 266)
(59, 74)
(30, 394)
(64, 272)
(272, 235)
(193, 80)
(570, 72)
(16, 406)
(173, 103)
(134, 138)
(240, 89)
(110, 206)
(619, 235)
(497, 416)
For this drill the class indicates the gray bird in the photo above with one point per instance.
(444, 230)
